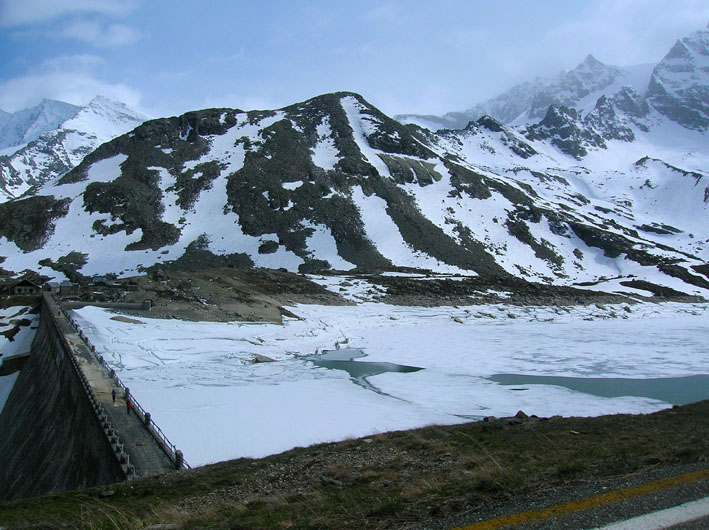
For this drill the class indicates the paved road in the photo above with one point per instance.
(695, 513)
(144, 453)
(601, 505)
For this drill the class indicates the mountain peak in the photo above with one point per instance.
(591, 66)
(25, 125)
(678, 51)
(50, 101)
(106, 118)
(590, 61)
(57, 137)
(104, 101)
(678, 86)
(530, 101)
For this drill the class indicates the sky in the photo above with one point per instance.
(166, 57)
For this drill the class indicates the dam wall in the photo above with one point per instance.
(118, 306)
(51, 438)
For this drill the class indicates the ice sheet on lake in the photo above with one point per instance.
(197, 380)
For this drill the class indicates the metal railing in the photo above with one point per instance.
(174, 454)
(162, 440)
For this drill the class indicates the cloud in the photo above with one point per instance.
(68, 79)
(633, 31)
(71, 63)
(81, 20)
(110, 36)
(24, 12)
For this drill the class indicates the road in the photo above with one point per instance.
(661, 499)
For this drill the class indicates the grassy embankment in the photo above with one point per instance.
(385, 481)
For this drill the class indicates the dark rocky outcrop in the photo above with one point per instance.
(564, 128)
(30, 222)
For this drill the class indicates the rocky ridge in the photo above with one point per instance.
(679, 86)
(334, 184)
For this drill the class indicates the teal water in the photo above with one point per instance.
(675, 390)
(359, 371)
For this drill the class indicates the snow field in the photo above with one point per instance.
(325, 154)
(20, 344)
(384, 233)
(197, 380)
(322, 245)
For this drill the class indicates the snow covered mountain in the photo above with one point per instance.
(334, 183)
(528, 102)
(677, 88)
(21, 127)
(61, 145)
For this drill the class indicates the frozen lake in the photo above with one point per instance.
(198, 382)
(675, 390)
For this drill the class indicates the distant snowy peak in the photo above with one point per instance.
(105, 118)
(679, 86)
(528, 102)
(586, 110)
(570, 88)
(23, 126)
(56, 151)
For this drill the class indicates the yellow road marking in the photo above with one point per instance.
(579, 505)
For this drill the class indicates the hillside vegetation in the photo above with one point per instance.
(394, 480)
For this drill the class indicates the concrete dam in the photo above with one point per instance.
(61, 429)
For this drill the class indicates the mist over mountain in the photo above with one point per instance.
(599, 184)
(529, 101)
(676, 87)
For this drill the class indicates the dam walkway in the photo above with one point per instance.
(140, 446)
